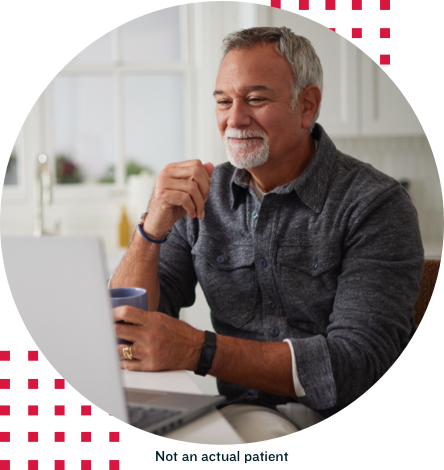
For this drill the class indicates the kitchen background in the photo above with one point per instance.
(141, 97)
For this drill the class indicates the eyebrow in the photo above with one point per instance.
(247, 88)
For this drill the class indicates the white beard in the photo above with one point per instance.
(247, 154)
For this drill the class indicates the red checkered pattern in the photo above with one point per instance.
(34, 411)
(304, 5)
(356, 4)
(5, 356)
(33, 355)
(356, 33)
(385, 59)
(384, 33)
(330, 4)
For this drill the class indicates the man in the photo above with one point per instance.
(309, 259)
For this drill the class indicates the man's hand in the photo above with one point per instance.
(159, 342)
(181, 188)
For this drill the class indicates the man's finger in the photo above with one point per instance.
(132, 365)
(127, 331)
(197, 173)
(131, 348)
(129, 314)
(189, 187)
(210, 168)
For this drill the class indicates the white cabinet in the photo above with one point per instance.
(385, 111)
(359, 99)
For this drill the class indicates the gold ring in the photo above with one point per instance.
(127, 354)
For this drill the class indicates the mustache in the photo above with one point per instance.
(244, 134)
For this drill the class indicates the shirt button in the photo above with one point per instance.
(255, 214)
(315, 264)
(221, 259)
(263, 263)
(274, 332)
(271, 304)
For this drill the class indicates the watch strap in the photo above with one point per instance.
(207, 354)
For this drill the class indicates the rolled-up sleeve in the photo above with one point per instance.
(373, 311)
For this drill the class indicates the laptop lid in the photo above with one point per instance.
(59, 287)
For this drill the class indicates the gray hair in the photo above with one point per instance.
(298, 51)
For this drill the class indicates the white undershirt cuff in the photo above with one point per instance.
(298, 388)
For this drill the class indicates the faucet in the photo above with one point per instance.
(42, 194)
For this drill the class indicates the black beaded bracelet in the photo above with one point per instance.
(207, 354)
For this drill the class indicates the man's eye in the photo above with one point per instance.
(256, 100)
(223, 102)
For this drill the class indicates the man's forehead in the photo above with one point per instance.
(258, 68)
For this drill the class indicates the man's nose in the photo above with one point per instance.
(239, 115)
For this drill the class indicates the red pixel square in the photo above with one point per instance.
(59, 383)
(5, 464)
(303, 5)
(5, 410)
(33, 355)
(5, 383)
(5, 437)
(59, 410)
(33, 465)
(113, 465)
(59, 437)
(330, 4)
(356, 33)
(356, 4)
(59, 465)
(33, 410)
(276, 3)
(86, 465)
(113, 437)
(333, 29)
(85, 437)
(85, 410)
(385, 59)
(385, 5)
(5, 356)
(33, 383)
(33, 437)
(385, 33)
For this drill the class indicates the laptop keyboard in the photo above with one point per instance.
(142, 416)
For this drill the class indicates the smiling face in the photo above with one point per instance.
(254, 107)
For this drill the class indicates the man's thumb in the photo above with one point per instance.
(209, 167)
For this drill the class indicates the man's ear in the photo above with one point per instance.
(309, 101)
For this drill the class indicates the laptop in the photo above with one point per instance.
(59, 285)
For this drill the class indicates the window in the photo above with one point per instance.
(14, 184)
(118, 107)
(11, 176)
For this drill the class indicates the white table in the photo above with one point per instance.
(211, 428)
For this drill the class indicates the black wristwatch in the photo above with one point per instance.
(207, 354)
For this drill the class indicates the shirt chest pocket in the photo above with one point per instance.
(227, 276)
(308, 277)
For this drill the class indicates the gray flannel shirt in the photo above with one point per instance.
(331, 260)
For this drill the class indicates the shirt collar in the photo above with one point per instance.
(311, 186)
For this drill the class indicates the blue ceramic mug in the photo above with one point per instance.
(134, 296)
